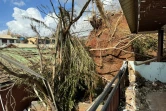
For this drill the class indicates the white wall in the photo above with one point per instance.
(153, 71)
(8, 41)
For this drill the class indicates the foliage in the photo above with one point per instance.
(74, 73)
(67, 66)
(75, 68)
(144, 45)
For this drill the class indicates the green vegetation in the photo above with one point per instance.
(145, 45)
(67, 67)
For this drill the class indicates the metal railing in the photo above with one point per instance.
(111, 92)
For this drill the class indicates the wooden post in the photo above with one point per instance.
(160, 45)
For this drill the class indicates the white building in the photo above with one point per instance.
(7, 39)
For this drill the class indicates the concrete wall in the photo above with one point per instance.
(154, 71)
(8, 41)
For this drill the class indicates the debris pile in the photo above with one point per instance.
(136, 93)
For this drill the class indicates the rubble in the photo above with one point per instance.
(138, 90)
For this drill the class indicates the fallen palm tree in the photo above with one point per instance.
(67, 69)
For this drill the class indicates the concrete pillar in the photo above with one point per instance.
(160, 45)
(8, 42)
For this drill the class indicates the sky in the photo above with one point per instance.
(12, 12)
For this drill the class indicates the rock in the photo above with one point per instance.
(154, 84)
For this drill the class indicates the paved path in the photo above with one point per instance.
(157, 101)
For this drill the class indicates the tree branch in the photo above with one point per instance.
(72, 13)
(39, 50)
(80, 14)
(102, 12)
(116, 25)
(52, 5)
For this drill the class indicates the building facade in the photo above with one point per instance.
(7, 39)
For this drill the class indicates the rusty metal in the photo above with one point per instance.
(114, 103)
(105, 92)
(153, 15)
(27, 69)
(146, 16)
(18, 93)
(113, 99)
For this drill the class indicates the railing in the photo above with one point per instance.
(112, 93)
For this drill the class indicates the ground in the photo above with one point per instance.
(143, 95)
(84, 106)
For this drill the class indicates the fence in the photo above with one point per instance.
(112, 93)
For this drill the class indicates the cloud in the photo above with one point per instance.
(21, 26)
(112, 5)
(19, 3)
(4, 31)
(82, 27)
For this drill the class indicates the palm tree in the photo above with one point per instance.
(66, 70)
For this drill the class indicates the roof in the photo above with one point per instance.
(7, 37)
(144, 16)
(129, 11)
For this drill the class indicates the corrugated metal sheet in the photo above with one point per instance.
(152, 15)
(144, 15)
(129, 10)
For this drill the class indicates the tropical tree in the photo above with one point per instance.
(63, 71)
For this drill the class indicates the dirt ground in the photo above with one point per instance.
(38, 106)
(84, 106)
(108, 62)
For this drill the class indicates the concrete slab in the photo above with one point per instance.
(157, 101)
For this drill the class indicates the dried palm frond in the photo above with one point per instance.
(73, 68)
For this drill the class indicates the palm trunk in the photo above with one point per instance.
(103, 13)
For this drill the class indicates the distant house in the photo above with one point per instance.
(22, 40)
(7, 39)
(33, 40)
